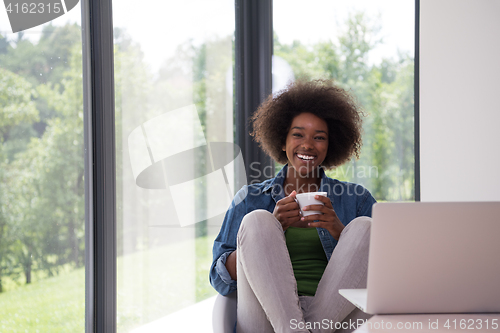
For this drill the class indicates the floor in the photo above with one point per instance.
(196, 319)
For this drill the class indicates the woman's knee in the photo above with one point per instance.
(362, 222)
(258, 222)
(359, 227)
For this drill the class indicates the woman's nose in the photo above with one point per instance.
(307, 143)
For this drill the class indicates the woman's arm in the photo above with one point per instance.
(231, 265)
(222, 278)
(286, 212)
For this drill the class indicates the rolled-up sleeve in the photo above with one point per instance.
(221, 269)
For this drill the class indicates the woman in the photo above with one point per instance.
(283, 265)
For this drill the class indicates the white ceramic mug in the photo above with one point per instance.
(307, 199)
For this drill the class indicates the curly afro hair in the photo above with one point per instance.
(337, 107)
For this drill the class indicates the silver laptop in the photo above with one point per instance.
(432, 257)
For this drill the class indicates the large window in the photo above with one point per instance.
(42, 218)
(368, 48)
(174, 139)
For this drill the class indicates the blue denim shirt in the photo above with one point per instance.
(348, 200)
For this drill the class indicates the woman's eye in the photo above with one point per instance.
(297, 135)
(320, 138)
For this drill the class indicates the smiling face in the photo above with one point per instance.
(306, 143)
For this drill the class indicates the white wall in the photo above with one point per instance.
(460, 100)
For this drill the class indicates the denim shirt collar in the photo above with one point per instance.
(276, 187)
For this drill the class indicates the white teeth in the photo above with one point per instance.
(305, 157)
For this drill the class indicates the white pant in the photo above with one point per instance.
(267, 289)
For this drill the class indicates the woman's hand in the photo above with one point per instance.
(287, 211)
(231, 265)
(328, 220)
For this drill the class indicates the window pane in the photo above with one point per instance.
(42, 218)
(367, 47)
(174, 139)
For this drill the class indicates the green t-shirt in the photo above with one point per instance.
(308, 258)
